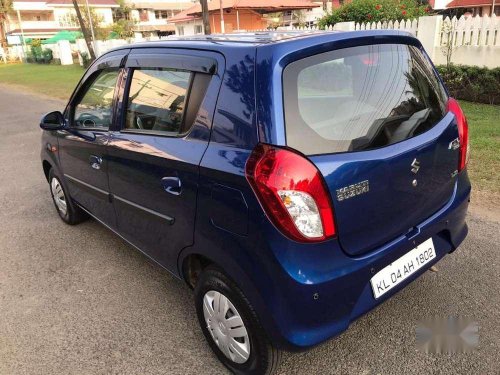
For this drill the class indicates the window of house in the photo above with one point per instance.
(94, 109)
(198, 29)
(143, 15)
(180, 30)
(161, 14)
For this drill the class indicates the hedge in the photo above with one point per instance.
(361, 11)
(472, 83)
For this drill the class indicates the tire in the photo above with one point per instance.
(262, 356)
(68, 211)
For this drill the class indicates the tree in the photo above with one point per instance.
(100, 33)
(85, 32)
(204, 13)
(448, 44)
(298, 17)
(5, 7)
(123, 11)
(362, 11)
(122, 29)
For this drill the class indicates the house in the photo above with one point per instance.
(152, 17)
(305, 17)
(472, 7)
(237, 15)
(39, 19)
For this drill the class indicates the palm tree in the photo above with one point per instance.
(85, 32)
(5, 7)
(204, 15)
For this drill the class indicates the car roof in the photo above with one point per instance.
(226, 42)
(258, 37)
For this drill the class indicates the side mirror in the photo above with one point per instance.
(53, 121)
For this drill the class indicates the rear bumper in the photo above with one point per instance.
(319, 301)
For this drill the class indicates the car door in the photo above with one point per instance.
(166, 113)
(82, 146)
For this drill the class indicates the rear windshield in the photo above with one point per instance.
(360, 98)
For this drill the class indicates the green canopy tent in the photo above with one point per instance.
(72, 36)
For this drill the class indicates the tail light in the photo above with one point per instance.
(292, 192)
(463, 132)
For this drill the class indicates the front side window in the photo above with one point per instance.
(157, 100)
(95, 108)
(360, 98)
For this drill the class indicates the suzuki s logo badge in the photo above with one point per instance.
(455, 144)
(415, 166)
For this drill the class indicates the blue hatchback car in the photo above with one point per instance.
(294, 180)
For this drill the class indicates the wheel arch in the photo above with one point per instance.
(46, 169)
(192, 266)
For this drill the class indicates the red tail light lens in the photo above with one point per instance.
(292, 192)
(463, 132)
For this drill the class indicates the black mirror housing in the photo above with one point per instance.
(53, 121)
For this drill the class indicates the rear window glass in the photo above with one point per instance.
(360, 98)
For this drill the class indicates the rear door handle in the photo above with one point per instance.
(95, 162)
(172, 185)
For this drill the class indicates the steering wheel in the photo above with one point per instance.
(88, 120)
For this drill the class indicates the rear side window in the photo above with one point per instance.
(360, 98)
(157, 100)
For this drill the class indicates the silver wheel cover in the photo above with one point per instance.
(58, 196)
(226, 326)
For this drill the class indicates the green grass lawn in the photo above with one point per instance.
(484, 120)
(54, 80)
(484, 132)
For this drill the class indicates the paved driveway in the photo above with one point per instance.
(78, 300)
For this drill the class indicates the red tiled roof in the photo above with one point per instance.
(262, 5)
(91, 2)
(181, 16)
(467, 3)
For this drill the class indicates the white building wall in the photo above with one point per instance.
(315, 14)
(106, 14)
(189, 27)
(441, 4)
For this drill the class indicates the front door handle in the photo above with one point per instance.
(172, 185)
(95, 162)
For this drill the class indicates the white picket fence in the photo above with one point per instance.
(475, 40)
(471, 31)
(405, 25)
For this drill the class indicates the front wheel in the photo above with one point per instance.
(231, 326)
(69, 212)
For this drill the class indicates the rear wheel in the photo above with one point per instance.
(231, 327)
(69, 212)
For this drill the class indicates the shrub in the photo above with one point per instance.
(472, 83)
(122, 29)
(37, 54)
(374, 11)
(29, 57)
(85, 59)
(47, 55)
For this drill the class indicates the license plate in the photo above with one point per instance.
(402, 268)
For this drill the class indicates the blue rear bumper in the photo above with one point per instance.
(323, 294)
